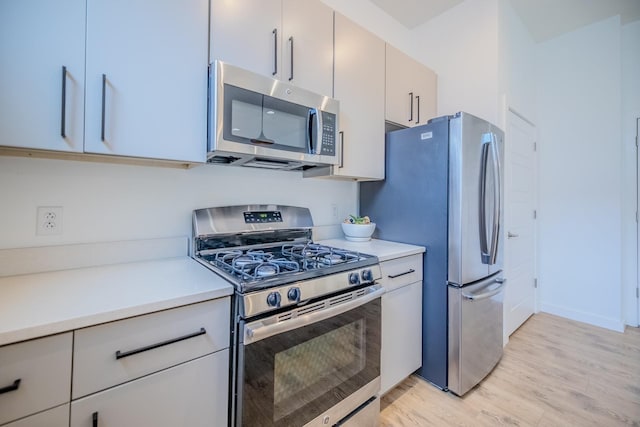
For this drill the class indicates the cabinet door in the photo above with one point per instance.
(147, 78)
(37, 39)
(359, 86)
(248, 34)
(410, 90)
(191, 394)
(401, 351)
(399, 88)
(426, 88)
(307, 45)
(35, 375)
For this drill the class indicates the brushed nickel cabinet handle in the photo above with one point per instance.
(275, 51)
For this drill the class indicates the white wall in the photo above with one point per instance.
(517, 61)
(579, 107)
(104, 202)
(461, 46)
(630, 111)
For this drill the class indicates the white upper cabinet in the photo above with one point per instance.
(307, 57)
(247, 34)
(40, 106)
(411, 90)
(146, 71)
(291, 40)
(359, 86)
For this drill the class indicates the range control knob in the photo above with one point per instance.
(367, 275)
(354, 279)
(273, 299)
(293, 294)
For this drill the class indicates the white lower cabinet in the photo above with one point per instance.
(35, 375)
(191, 394)
(401, 352)
(56, 417)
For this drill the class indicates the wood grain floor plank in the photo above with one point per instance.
(554, 372)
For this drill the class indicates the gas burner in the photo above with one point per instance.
(332, 258)
(266, 270)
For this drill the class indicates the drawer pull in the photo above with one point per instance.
(12, 387)
(95, 419)
(120, 355)
(393, 276)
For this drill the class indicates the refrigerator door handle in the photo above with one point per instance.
(496, 199)
(482, 208)
(484, 295)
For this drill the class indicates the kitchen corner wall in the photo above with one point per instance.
(580, 182)
(108, 202)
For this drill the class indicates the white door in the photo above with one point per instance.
(520, 260)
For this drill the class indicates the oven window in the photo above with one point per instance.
(332, 357)
(291, 378)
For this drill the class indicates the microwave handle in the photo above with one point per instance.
(314, 133)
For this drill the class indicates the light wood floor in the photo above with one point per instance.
(554, 372)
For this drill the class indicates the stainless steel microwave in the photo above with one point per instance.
(262, 122)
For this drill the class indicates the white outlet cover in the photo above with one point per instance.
(49, 220)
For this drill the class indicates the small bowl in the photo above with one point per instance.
(358, 232)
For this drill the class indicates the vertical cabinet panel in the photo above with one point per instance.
(411, 90)
(38, 38)
(242, 34)
(309, 23)
(152, 100)
(359, 85)
(401, 335)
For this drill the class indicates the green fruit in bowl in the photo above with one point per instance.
(357, 220)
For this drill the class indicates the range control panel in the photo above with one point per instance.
(262, 217)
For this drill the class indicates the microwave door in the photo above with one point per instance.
(286, 124)
(245, 122)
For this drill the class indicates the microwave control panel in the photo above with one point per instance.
(328, 141)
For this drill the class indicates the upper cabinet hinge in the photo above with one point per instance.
(535, 146)
(637, 292)
(535, 282)
(535, 214)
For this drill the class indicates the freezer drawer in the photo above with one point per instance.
(475, 332)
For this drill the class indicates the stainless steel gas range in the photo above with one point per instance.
(306, 318)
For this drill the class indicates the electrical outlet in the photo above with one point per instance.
(334, 211)
(49, 220)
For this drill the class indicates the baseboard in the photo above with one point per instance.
(580, 316)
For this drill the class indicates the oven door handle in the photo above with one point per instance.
(256, 331)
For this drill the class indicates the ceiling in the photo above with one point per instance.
(544, 19)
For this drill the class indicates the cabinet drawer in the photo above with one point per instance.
(43, 368)
(56, 417)
(401, 271)
(113, 353)
(192, 394)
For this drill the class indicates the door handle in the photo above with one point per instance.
(510, 235)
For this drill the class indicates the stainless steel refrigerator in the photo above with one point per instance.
(444, 190)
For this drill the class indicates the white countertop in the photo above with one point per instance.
(383, 249)
(34, 305)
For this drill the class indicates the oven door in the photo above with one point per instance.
(315, 367)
